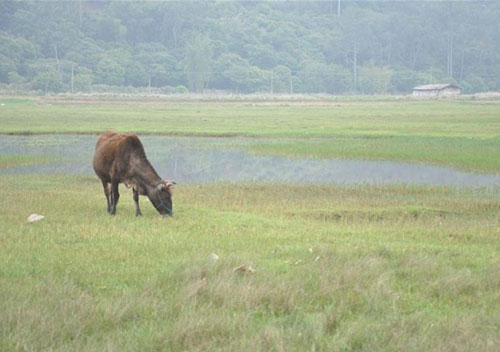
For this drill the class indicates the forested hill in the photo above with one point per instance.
(364, 47)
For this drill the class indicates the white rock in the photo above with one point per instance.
(214, 257)
(35, 217)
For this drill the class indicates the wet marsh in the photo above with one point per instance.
(386, 266)
(461, 134)
(213, 160)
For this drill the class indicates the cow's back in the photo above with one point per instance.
(112, 153)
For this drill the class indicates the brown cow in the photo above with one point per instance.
(120, 158)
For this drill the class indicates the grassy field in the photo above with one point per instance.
(334, 268)
(463, 134)
(23, 160)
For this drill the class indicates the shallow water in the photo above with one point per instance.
(208, 160)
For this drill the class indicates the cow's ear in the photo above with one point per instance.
(170, 187)
(161, 186)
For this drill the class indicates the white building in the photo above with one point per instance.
(436, 90)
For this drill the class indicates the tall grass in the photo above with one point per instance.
(336, 268)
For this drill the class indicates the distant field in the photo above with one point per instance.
(463, 134)
(293, 119)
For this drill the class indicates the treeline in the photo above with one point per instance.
(249, 46)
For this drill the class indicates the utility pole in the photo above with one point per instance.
(272, 82)
(462, 66)
(355, 67)
(79, 13)
(58, 63)
(451, 57)
(72, 77)
(338, 8)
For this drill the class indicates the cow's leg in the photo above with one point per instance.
(106, 187)
(136, 200)
(115, 195)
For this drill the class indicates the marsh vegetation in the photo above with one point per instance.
(462, 133)
(230, 159)
(337, 267)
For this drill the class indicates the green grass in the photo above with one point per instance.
(361, 268)
(474, 154)
(16, 101)
(7, 161)
(378, 118)
(391, 268)
(463, 134)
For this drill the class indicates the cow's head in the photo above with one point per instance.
(162, 197)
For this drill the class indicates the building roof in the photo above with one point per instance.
(436, 87)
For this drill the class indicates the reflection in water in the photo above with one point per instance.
(206, 160)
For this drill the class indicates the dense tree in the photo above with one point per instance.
(82, 83)
(47, 81)
(6, 66)
(317, 77)
(198, 62)
(247, 46)
(374, 79)
(14, 52)
(232, 72)
(16, 82)
(282, 79)
(110, 72)
(161, 68)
